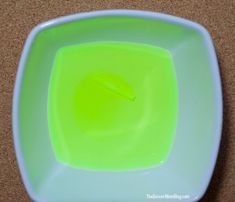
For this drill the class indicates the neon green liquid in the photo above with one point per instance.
(112, 105)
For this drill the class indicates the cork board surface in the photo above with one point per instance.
(17, 18)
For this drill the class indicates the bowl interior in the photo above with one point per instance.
(187, 166)
(107, 102)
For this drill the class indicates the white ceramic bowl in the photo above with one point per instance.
(188, 170)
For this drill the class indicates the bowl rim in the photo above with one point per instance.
(130, 13)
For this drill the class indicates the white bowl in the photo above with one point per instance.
(188, 170)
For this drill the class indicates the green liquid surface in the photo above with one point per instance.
(112, 105)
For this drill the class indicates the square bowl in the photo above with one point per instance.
(186, 172)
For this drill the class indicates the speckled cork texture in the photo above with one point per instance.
(17, 18)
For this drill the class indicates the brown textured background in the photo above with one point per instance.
(18, 17)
